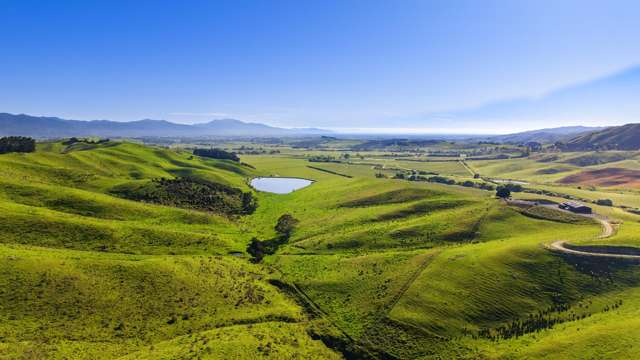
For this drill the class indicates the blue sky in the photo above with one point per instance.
(336, 64)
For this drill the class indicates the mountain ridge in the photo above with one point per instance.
(624, 137)
(546, 135)
(55, 127)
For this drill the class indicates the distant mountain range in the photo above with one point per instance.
(53, 127)
(550, 135)
(580, 138)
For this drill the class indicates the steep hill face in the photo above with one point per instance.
(53, 127)
(626, 137)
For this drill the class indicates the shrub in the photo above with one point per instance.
(285, 225)
(503, 192)
(605, 202)
(258, 249)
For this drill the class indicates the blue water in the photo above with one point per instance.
(279, 185)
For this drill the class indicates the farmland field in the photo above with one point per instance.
(105, 252)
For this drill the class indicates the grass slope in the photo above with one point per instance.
(400, 269)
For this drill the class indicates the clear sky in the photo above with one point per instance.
(336, 64)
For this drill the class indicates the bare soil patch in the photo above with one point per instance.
(607, 177)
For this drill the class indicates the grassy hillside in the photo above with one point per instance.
(104, 301)
(95, 303)
(374, 267)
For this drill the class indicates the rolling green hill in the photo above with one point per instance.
(100, 258)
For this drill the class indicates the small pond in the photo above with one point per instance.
(508, 181)
(279, 185)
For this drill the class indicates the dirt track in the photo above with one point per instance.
(607, 231)
(620, 252)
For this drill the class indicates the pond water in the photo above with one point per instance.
(506, 181)
(279, 185)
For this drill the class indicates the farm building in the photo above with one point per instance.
(575, 207)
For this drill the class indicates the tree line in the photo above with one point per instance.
(19, 144)
(544, 319)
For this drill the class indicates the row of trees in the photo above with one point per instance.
(544, 319)
(417, 176)
(17, 144)
(88, 140)
(323, 158)
(216, 153)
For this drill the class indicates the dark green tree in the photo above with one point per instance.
(503, 192)
(285, 225)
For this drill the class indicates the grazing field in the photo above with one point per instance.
(121, 250)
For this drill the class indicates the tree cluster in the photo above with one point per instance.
(20, 144)
(75, 140)
(216, 153)
(323, 158)
(193, 193)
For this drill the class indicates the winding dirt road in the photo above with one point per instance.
(607, 231)
(600, 251)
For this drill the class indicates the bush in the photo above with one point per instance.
(19, 144)
(285, 225)
(605, 202)
(216, 153)
(441, 180)
(259, 249)
(503, 192)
